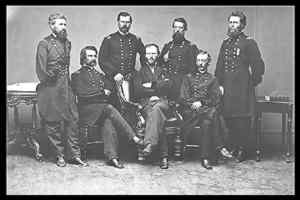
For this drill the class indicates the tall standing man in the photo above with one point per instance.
(239, 70)
(117, 54)
(178, 56)
(56, 101)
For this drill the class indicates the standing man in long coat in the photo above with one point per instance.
(56, 101)
(178, 56)
(239, 70)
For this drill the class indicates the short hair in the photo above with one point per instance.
(203, 53)
(83, 53)
(55, 16)
(124, 14)
(152, 45)
(242, 17)
(182, 20)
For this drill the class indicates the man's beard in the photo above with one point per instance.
(233, 32)
(151, 62)
(62, 35)
(92, 63)
(202, 69)
(178, 37)
(124, 29)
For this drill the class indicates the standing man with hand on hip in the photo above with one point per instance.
(56, 101)
(239, 70)
(117, 54)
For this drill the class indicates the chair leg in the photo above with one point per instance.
(140, 134)
(83, 142)
(178, 146)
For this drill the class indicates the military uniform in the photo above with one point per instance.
(89, 84)
(203, 88)
(117, 54)
(155, 112)
(237, 57)
(181, 61)
(56, 101)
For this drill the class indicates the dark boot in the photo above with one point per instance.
(206, 164)
(116, 163)
(61, 162)
(164, 164)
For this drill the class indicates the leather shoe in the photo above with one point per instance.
(147, 150)
(61, 162)
(164, 164)
(116, 163)
(206, 164)
(240, 157)
(224, 153)
(78, 161)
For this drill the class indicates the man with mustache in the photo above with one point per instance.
(239, 70)
(93, 91)
(178, 56)
(150, 87)
(56, 101)
(117, 54)
(200, 97)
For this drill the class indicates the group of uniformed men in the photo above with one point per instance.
(176, 74)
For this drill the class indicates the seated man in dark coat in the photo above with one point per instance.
(200, 97)
(93, 90)
(150, 88)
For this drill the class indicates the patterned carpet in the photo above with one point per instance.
(271, 176)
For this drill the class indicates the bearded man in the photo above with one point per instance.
(177, 57)
(56, 101)
(239, 70)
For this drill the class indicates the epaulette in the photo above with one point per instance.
(108, 37)
(226, 38)
(249, 38)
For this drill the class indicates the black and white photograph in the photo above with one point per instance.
(150, 100)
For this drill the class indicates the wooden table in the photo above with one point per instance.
(285, 108)
(24, 93)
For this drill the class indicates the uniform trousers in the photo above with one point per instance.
(156, 113)
(113, 124)
(56, 135)
(239, 129)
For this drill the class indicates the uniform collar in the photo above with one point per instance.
(122, 34)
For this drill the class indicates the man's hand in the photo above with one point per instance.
(166, 57)
(118, 77)
(196, 105)
(222, 90)
(147, 85)
(107, 92)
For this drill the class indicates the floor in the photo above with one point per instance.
(271, 176)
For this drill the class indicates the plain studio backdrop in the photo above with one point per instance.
(272, 28)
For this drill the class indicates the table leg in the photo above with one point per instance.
(289, 134)
(258, 119)
(283, 124)
(17, 129)
(178, 145)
